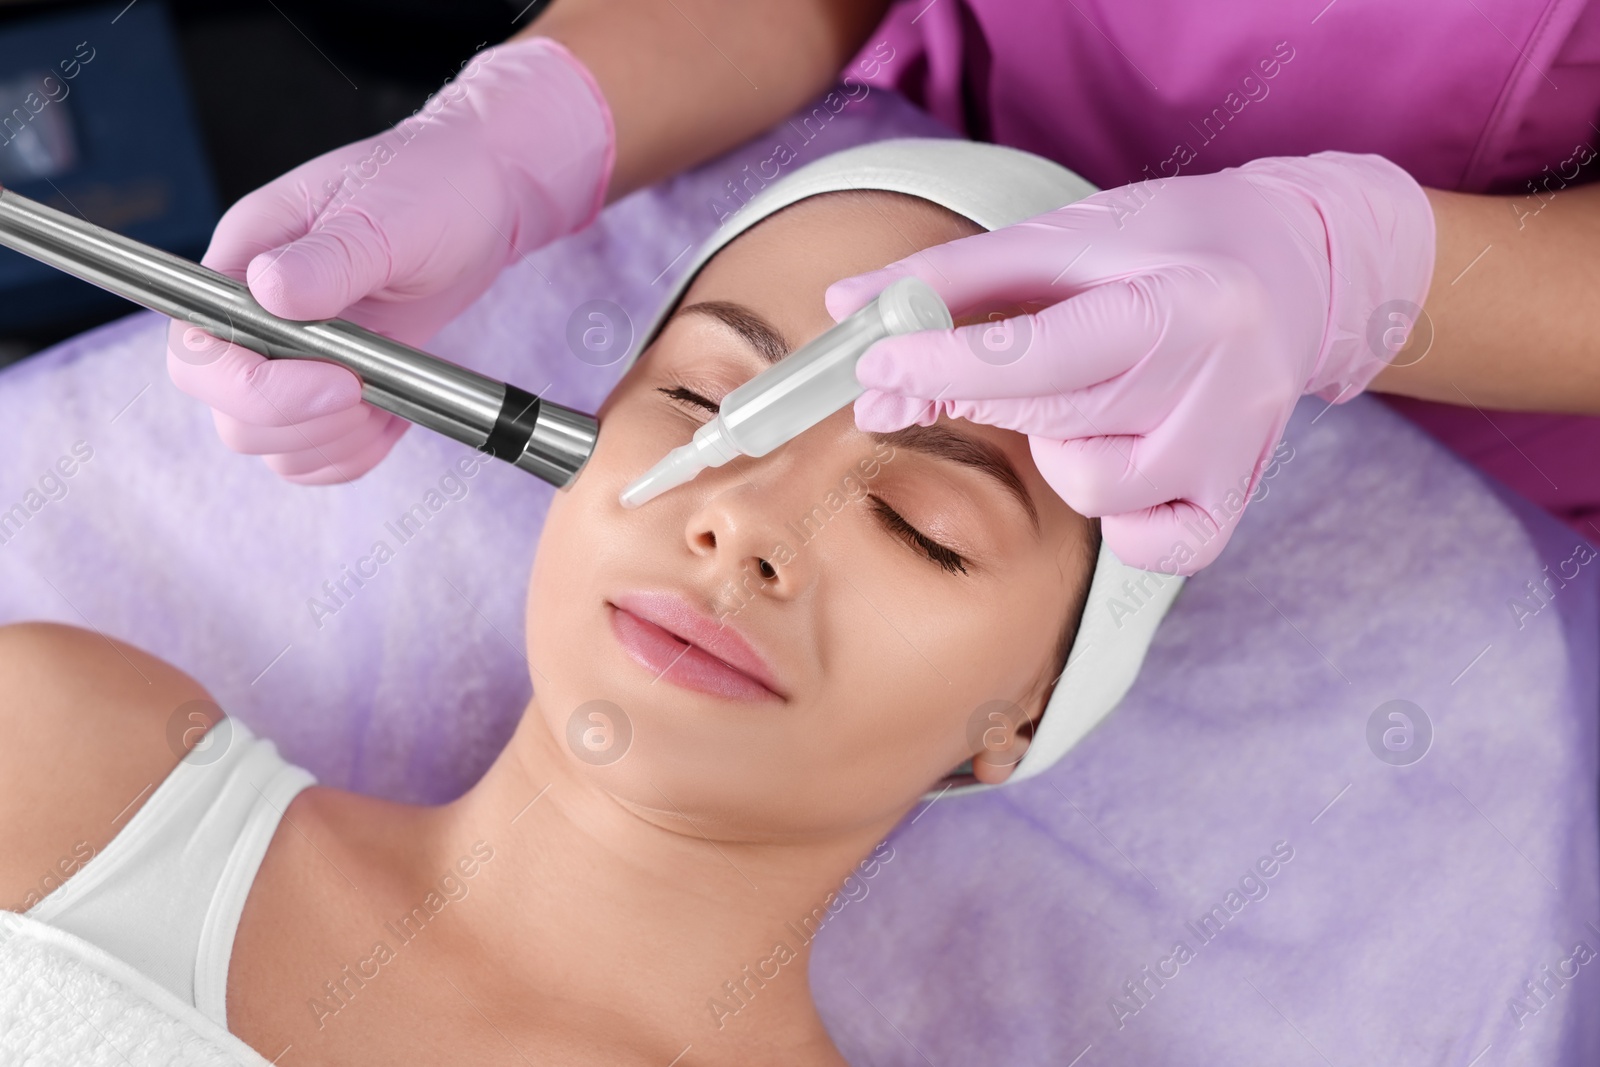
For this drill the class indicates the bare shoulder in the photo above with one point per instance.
(91, 726)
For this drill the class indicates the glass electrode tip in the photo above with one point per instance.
(680, 466)
(708, 448)
(798, 391)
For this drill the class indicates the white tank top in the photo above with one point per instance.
(166, 893)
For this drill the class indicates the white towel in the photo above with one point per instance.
(65, 1001)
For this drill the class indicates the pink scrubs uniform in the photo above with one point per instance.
(1482, 96)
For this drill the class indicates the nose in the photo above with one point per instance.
(743, 527)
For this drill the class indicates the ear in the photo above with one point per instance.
(1007, 730)
(992, 766)
(1007, 737)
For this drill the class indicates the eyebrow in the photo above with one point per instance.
(941, 442)
(765, 338)
(937, 441)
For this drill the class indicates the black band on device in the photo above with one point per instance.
(513, 427)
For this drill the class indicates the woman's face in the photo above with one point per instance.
(805, 642)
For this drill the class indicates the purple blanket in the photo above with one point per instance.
(1260, 857)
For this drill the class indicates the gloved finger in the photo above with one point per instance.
(1061, 417)
(1071, 345)
(1185, 457)
(1099, 476)
(343, 460)
(849, 295)
(267, 218)
(193, 345)
(1057, 417)
(884, 412)
(252, 388)
(1170, 507)
(1174, 538)
(323, 272)
(1024, 262)
(338, 453)
(251, 439)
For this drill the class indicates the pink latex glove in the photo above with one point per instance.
(1175, 324)
(397, 233)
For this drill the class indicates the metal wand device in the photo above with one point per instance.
(495, 417)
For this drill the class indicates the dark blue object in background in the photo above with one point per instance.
(96, 121)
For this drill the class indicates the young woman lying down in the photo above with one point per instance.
(738, 694)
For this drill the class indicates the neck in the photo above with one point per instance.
(646, 914)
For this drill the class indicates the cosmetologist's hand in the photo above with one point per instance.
(397, 233)
(1168, 330)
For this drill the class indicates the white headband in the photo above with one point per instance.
(994, 186)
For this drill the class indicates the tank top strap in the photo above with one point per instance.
(165, 895)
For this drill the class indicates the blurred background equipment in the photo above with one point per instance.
(151, 117)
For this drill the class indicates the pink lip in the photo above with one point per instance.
(665, 634)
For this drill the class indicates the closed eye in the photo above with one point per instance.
(688, 396)
(892, 520)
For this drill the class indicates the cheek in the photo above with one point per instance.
(638, 427)
(549, 587)
(588, 546)
(564, 579)
(910, 660)
(928, 658)
(588, 512)
(580, 518)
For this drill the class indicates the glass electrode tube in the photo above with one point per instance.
(797, 392)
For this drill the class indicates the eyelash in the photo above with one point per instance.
(950, 561)
(684, 394)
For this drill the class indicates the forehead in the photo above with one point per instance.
(783, 264)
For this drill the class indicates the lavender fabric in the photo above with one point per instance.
(1333, 906)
